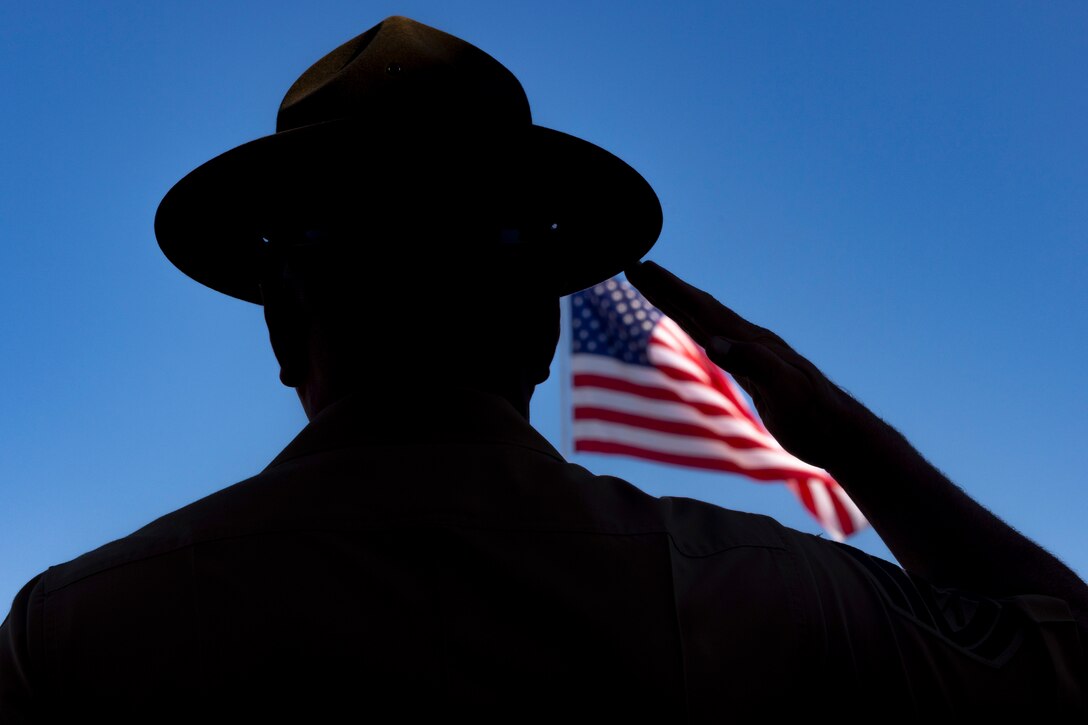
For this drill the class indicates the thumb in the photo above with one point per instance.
(751, 360)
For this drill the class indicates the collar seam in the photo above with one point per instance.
(406, 444)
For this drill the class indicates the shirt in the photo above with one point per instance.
(441, 558)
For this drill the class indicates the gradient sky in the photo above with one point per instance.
(900, 191)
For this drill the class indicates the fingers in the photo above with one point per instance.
(793, 397)
(747, 361)
(701, 316)
(661, 294)
(752, 354)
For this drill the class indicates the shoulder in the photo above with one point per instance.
(157, 539)
(357, 488)
(20, 645)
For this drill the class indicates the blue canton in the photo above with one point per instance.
(614, 320)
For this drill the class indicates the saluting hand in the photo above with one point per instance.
(801, 408)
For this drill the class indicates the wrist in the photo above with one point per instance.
(857, 438)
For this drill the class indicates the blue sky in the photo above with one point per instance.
(900, 191)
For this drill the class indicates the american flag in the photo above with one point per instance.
(641, 387)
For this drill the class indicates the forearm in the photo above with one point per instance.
(932, 527)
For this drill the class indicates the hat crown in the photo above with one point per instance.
(401, 72)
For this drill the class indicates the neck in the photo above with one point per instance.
(320, 391)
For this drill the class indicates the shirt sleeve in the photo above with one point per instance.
(19, 641)
(925, 650)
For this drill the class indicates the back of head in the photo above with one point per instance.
(412, 302)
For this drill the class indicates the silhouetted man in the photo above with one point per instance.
(420, 550)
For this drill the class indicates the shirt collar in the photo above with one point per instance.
(455, 415)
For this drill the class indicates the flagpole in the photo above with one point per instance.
(565, 412)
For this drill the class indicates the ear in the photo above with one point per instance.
(542, 346)
(288, 331)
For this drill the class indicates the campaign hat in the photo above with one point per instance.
(422, 149)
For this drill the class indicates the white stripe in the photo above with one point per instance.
(667, 358)
(734, 389)
(688, 349)
(667, 325)
(724, 425)
(642, 375)
(664, 334)
(857, 518)
(751, 459)
(825, 509)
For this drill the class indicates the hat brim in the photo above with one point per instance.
(576, 213)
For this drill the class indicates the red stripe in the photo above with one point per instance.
(718, 378)
(801, 487)
(703, 462)
(592, 380)
(731, 390)
(682, 376)
(804, 491)
(587, 412)
(845, 523)
(677, 373)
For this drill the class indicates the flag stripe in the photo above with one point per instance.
(668, 335)
(675, 412)
(678, 366)
(857, 518)
(650, 392)
(602, 368)
(805, 495)
(753, 459)
(841, 516)
(767, 475)
(825, 509)
(588, 412)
